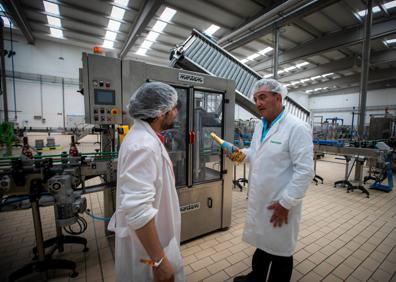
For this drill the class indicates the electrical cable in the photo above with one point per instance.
(88, 212)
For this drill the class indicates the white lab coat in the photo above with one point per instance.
(281, 169)
(145, 190)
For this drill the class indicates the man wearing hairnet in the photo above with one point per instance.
(281, 168)
(147, 217)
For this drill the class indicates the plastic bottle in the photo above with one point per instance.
(235, 154)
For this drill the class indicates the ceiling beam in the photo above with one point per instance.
(355, 89)
(14, 9)
(387, 56)
(145, 15)
(260, 27)
(308, 28)
(354, 11)
(378, 75)
(339, 39)
(201, 17)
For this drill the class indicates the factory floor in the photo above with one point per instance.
(343, 236)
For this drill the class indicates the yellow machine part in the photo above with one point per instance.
(122, 131)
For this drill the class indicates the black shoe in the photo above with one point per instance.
(245, 278)
(242, 278)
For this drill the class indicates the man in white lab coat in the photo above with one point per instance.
(147, 217)
(281, 169)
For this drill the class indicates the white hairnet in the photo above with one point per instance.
(270, 85)
(152, 100)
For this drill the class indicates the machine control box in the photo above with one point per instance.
(102, 89)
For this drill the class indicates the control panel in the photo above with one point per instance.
(102, 89)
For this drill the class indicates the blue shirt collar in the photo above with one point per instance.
(273, 122)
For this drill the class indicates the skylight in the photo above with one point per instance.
(376, 9)
(268, 75)
(6, 21)
(117, 13)
(141, 52)
(108, 44)
(302, 64)
(390, 41)
(152, 36)
(290, 68)
(121, 2)
(54, 21)
(114, 25)
(265, 50)
(167, 14)
(212, 29)
(51, 8)
(56, 32)
(146, 44)
(110, 35)
(244, 61)
(254, 56)
(159, 26)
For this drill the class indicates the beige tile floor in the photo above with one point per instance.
(342, 237)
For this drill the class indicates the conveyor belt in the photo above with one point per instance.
(201, 54)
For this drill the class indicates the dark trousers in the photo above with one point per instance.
(280, 271)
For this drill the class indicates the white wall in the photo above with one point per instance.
(33, 99)
(376, 98)
(43, 58)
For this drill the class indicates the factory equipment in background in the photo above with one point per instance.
(203, 175)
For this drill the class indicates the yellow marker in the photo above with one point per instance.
(234, 152)
(122, 131)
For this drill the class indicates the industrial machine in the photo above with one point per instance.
(31, 181)
(203, 174)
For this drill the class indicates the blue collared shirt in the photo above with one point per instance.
(265, 124)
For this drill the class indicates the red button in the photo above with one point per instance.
(107, 84)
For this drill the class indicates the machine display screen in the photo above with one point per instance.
(104, 97)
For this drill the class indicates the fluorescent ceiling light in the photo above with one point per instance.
(114, 25)
(252, 57)
(327, 74)
(316, 89)
(244, 61)
(287, 85)
(308, 91)
(110, 35)
(159, 26)
(167, 14)
(265, 50)
(56, 32)
(141, 52)
(281, 71)
(108, 44)
(146, 44)
(295, 82)
(390, 41)
(51, 7)
(152, 36)
(121, 2)
(212, 29)
(54, 21)
(302, 64)
(117, 13)
(315, 77)
(290, 68)
(268, 75)
(304, 80)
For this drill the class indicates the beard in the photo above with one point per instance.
(167, 124)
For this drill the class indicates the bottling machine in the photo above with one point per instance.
(203, 174)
